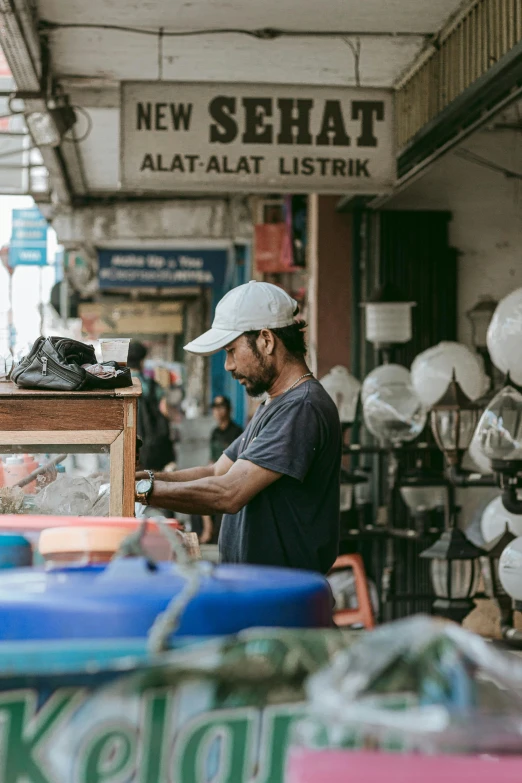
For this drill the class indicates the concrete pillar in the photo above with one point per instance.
(197, 321)
(330, 284)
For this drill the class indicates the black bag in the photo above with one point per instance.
(157, 449)
(55, 364)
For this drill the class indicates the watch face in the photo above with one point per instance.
(143, 486)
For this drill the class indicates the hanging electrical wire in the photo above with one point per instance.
(356, 51)
(266, 33)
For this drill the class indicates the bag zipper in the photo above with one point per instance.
(66, 375)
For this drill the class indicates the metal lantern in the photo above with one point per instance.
(453, 421)
(455, 574)
(480, 317)
(388, 318)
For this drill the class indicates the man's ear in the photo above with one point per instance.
(269, 340)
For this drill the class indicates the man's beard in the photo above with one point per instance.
(257, 385)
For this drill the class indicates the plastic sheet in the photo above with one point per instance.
(417, 685)
(394, 414)
(69, 497)
(387, 375)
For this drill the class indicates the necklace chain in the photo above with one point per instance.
(306, 375)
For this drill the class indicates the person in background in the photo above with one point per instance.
(221, 437)
(153, 424)
(226, 431)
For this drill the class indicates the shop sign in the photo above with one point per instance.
(272, 138)
(131, 318)
(136, 737)
(153, 268)
(28, 246)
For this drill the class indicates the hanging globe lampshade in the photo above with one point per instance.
(494, 520)
(505, 336)
(394, 415)
(432, 371)
(386, 375)
(344, 390)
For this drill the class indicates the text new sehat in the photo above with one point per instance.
(248, 307)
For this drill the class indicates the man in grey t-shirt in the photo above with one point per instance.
(278, 484)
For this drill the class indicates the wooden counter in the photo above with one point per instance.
(32, 421)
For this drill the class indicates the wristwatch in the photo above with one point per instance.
(144, 488)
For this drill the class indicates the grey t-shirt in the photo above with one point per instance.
(294, 522)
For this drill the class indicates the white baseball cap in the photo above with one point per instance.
(248, 307)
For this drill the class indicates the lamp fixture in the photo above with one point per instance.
(480, 317)
(423, 491)
(455, 573)
(344, 389)
(388, 318)
(453, 421)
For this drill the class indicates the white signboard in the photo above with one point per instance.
(231, 137)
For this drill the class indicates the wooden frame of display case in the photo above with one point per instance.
(76, 422)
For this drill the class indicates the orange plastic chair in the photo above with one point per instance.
(363, 615)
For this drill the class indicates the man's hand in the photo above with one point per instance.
(222, 493)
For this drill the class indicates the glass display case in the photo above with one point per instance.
(82, 443)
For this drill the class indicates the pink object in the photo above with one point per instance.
(154, 542)
(344, 766)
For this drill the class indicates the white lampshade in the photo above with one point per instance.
(494, 520)
(387, 375)
(510, 569)
(505, 336)
(344, 390)
(388, 322)
(432, 371)
(394, 415)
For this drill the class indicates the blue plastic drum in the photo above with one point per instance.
(123, 599)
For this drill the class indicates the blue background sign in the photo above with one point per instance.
(28, 246)
(153, 268)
